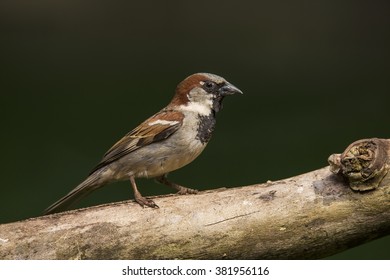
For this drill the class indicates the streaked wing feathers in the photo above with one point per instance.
(156, 128)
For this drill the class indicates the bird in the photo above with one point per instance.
(167, 141)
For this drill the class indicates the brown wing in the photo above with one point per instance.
(156, 128)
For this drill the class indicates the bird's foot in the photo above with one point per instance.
(144, 202)
(180, 189)
(184, 190)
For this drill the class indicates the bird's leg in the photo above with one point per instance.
(180, 189)
(139, 198)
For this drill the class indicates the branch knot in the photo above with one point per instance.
(364, 163)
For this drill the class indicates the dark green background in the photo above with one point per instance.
(77, 75)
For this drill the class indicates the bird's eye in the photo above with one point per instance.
(209, 86)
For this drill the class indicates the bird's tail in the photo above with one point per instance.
(86, 187)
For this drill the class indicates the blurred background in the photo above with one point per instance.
(78, 75)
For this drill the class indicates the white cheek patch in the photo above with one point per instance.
(200, 102)
(163, 122)
(201, 109)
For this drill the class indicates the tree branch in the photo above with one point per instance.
(308, 216)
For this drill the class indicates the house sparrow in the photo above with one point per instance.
(167, 141)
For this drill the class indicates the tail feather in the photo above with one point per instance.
(86, 187)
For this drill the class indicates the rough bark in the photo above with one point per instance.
(308, 216)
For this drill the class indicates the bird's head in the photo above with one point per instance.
(203, 92)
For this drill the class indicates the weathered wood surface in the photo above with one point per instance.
(309, 216)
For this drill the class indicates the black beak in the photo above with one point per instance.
(228, 89)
